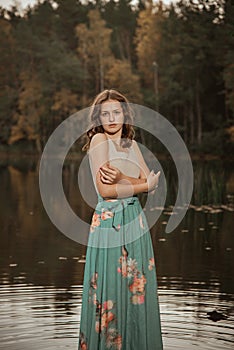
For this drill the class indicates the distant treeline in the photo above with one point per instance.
(178, 59)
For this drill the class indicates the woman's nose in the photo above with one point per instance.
(111, 117)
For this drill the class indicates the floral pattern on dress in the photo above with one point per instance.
(105, 317)
(83, 342)
(95, 222)
(113, 339)
(137, 288)
(96, 219)
(141, 221)
(151, 264)
(136, 279)
(106, 214)
(92, 288)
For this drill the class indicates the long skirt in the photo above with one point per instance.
(120, 307)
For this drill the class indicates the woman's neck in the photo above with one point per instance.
(114, 137)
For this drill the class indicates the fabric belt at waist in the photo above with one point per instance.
(116, 207)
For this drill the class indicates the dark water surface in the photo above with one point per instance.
(41, 270)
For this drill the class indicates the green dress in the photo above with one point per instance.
(120, 307)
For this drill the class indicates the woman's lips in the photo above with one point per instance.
(112, 125)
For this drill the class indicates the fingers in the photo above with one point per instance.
(108, 170)
(157, 174)
(153, 180)
(106, 181)
(106, 177)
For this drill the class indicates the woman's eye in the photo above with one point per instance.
(104, 114)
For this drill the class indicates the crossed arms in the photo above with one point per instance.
(110, 182)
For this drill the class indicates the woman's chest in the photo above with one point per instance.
(125, 161)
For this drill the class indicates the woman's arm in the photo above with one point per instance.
(144, 170)
(110, 175)
(99, 157)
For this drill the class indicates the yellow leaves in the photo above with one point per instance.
(121, 77)
(82, 33)
(94, 46)
(5, 27)
(31, 91)
(22, 130)
(98, 27)
(30, 109)
(94, 39)
(230, 132)
(148, 40)
(65, 101)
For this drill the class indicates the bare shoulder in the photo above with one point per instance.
(135, 146)
(134, 143)
(98, 139)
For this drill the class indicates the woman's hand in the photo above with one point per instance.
(110, 174)
(152, 180)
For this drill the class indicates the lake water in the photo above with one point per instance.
(41, 270)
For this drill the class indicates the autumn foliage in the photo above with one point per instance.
(177, 58)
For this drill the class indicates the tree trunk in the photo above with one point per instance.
(198, 110)
(84, 94)
(101, 72)
(185, 124)
(176, 116)
(121, 51)
(38, 145)
(191, 119)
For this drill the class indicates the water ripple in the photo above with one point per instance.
(47, 317)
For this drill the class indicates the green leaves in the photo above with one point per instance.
(60, 54)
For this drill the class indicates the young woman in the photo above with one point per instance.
(120, 303)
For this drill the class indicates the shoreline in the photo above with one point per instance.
(194, 156)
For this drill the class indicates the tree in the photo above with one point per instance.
(148, 39)
(120, 16)
(8, 78)
(30, 110)
(228, 57)
(94, 47)
(65, 103)
(69, 14)
(121, 77)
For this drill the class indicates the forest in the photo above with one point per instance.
(177, 59)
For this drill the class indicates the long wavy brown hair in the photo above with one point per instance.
(94, 115)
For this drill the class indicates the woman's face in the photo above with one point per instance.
(112, 117)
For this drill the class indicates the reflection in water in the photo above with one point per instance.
(41, 270)
(48, 318)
